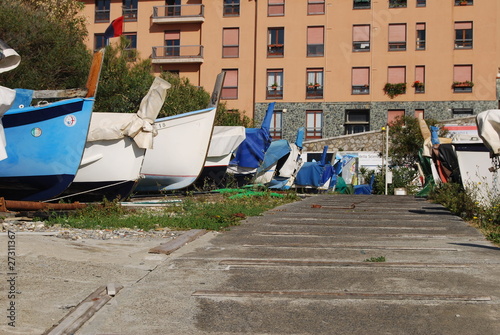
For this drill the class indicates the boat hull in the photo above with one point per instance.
(110, 168)
(179, 152)
(44, 147)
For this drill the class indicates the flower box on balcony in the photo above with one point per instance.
(462, 84)
(393, 90)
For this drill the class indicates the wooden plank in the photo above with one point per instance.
(68, 93)
(83, 312)
(176, 243)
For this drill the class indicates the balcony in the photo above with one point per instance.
(177, 54)
(179, 14)
(274, 92)
(314, 91)
(362, 4)
(360, 89)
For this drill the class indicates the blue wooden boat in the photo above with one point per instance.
(45, 143)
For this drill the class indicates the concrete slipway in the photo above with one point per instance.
(298, 269)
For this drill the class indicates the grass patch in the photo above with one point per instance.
(217, 212)
(484, 215)
(375, 259)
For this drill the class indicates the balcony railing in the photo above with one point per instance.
(361, 46)
(314, 92)
(315, 50)
(362, 4)
(275, 49)
(397, 46)
(102, 15)
(274, 93)
(129, 14)
(398, 3)
(179, 13)
(360, 89)
(177, 54)
(465, 43)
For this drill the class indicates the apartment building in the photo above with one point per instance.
(334, 66)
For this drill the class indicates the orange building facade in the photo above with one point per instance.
(334, 67)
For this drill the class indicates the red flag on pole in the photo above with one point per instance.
(115, 29)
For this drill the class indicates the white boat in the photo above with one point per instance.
(179, 152)
(225, 140)
(115, 149)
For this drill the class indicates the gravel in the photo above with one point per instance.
(27, 225)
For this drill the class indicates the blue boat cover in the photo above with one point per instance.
(251, 151)
(276, 150)
(434, 134)
(315, 173)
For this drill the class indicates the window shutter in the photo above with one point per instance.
(396, 75)
(360, 76)
(361, 33)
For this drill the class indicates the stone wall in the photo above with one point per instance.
(367, 141)
(334, 113)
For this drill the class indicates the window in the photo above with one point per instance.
(419, 83)
(314, 124)
(230, 86)
(276, 41)
(357, 121)
(275, 84)
(131, 49)
(130, 10)
(315, 41)
(461, 112)
(464, 2)
(397, 3)
(462, 79)
(361, 4)
(315, 7)
(397, 37)
(230, 42)
(102, 10)
(99, 41)
(463, 35)
(173, 7)
(360, 80)
(396, 81)
(276, 125)
(231, 7)
(314, 88)
(394, 114)
(361, 37)
(418, 113)
(276, 8)
(172, 43)
(421, 3)
(420, 36)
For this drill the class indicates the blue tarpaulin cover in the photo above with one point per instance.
(314, 173)
(276, 150)
(251, 151)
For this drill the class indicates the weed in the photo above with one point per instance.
(375, 259)
(212, 212)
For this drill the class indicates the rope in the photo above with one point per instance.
(88, 191)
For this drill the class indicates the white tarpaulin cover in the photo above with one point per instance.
(225, 139)
(9, 60)
(138, 126)
(488, 128)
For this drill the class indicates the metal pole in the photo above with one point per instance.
(386, 156)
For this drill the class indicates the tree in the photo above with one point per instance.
(124, 80)
(182, 96)
(53, 54)
(406, 140)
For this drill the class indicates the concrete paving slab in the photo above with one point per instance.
(294, 270)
